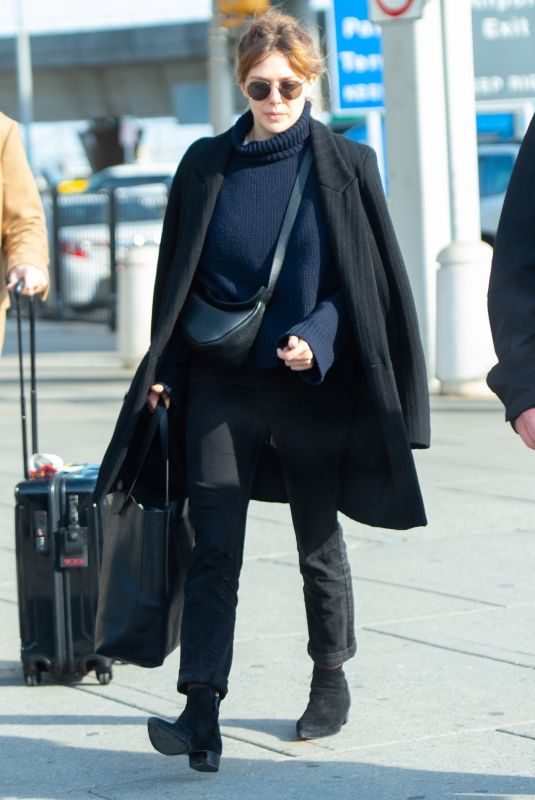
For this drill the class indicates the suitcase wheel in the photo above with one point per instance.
(32, 678)
(104, 677)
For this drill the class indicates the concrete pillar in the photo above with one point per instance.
(417, 155)
(135, 287)
(220, 74)
(307, 16)
(464, 345)
(374, 137)
(523, 117)
(25, 81)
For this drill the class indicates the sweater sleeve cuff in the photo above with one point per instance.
(322, 349)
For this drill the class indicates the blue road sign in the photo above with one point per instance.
(356, 59)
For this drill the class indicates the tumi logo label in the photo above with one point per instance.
(73, 562)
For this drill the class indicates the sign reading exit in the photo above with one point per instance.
(356, 61)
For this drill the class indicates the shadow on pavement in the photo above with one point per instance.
(62, 337)
(39, 720)
(58, 769)
(281, 729)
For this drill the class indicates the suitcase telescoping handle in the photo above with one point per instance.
(33, 396)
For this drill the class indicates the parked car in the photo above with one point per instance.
(496, 161)
(84, 239)
(72, 186)
(123, 175)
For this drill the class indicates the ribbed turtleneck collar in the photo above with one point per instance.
(280, 146)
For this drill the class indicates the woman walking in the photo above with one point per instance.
(324, 406)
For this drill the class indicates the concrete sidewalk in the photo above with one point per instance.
(443, 683)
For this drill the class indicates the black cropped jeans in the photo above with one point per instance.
(231, 414)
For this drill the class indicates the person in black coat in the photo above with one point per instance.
(511, 297)
(333, 395)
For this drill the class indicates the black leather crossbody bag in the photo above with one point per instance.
(223, 332)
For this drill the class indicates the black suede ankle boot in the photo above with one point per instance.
(328, 705)
(195, 732)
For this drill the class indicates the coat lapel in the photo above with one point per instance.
(338, 185)
(350, 232)
(331, 168)
(349, 235)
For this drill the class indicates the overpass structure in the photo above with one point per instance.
(151, 71)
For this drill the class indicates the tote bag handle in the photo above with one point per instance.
(158, 421)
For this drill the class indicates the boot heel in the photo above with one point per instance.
(204, 760)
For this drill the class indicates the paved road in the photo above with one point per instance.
(443, 684)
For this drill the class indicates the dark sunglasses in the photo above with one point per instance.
(260, 90)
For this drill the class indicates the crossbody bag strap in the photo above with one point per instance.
(158, 421)
(288, 222)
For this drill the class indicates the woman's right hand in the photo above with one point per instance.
(155, 393)
(524, 425)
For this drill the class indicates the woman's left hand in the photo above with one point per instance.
(297, 354)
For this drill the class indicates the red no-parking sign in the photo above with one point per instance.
(385, 10)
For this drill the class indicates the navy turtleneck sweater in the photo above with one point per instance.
(240, 243)
(241, 240)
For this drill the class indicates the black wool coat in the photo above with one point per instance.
(511, 298)
(378, 482)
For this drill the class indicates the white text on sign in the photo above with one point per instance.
(363, 92)
(363, 28)
(356, 62)
(513, 28)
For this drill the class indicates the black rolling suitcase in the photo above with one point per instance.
(58, 533)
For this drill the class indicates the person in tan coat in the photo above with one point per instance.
(23, 236)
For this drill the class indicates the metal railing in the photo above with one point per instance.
(90, 235)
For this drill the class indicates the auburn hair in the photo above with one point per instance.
(277, 32)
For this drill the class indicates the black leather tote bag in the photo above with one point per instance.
(145, 556)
